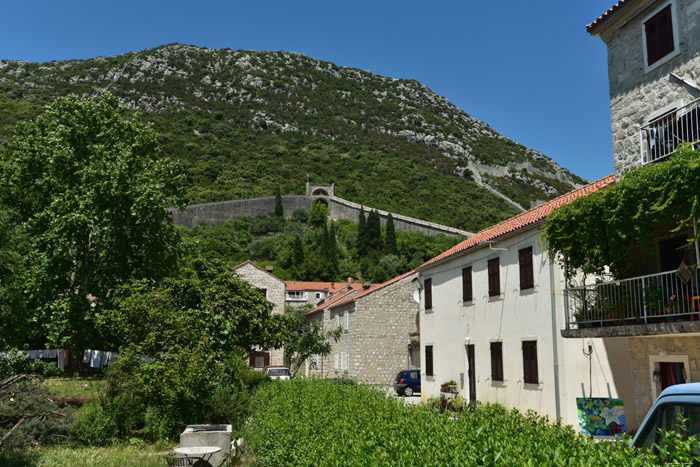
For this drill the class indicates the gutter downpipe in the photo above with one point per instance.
(555, 352)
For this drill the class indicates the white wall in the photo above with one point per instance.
(512, 317)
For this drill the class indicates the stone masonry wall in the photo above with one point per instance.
(275, 294)
(640, 350)
(634, 93)
(377, 335)
(219, 212)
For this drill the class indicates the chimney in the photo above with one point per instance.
(350, 280)
(269, 268)
(366, 285)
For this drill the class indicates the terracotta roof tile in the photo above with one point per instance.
(521, 220)
(606, 15)
(331, 300)
(329, 286)
(373, 288)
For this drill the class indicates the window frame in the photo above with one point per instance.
(497, 362)
(429, 367)
(527, 269)
(494, 281)
(344, 361)
(674, 30)
(428, 292)
(530, 367)
(467, 284)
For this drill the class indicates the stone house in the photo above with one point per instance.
(379, 324)
(302, 293)
(653, 51)
(491, 309)
(273, 288)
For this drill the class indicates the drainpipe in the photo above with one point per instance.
(695, 231)
(555, 353)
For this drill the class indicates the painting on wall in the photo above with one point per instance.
(599, 416)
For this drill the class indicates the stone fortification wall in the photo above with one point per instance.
(222, 211)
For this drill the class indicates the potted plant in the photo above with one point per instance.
(449, 386)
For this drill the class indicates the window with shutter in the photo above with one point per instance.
(429, 360)
(267, 358)
(494, 277)
(496, 361)
(467, 294)
(335, 361)
(344, 361)
(428, 287)
(530, 375)
(527, 277)
(347, 321)
(658, 31)
(337, 320)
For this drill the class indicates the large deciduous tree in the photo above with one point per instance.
(89, 188)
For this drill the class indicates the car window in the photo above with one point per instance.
(400, 375)
(648, 437)
(415, 375)
(683, 418)
(278, 372)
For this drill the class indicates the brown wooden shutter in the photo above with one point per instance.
(496, 361)
(429, 360)
(659, 35)
(494, 277)
(251, 360)
(467, 293)
(267, 358)
(527, 278)
(428, 286)
(530, 374)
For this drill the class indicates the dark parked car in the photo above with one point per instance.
(407, 382)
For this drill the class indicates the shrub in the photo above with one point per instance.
(14, 362)
(92, 426)
(157, 423)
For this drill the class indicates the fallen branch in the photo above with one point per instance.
(17, 425)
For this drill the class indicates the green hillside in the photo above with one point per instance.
(244, 122)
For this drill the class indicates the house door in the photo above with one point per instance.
(671, 373)
(471, 372)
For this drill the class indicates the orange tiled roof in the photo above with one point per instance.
(373, 288)
(331, 300)
(329, 286)
(522, 220)
(606, 15)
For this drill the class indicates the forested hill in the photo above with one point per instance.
(244, 122)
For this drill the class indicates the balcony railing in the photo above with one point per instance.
(654, 298)
(660, 137)
(301, 297)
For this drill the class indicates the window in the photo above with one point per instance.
(263, 292)
(527, 278)
(428, 286)
(658, 35)
(530, 375)
(347, 321)
(318, 295)
(335, 361)
(344, 361)
(296, 295)
(259, 359)
(467, 294)
(429, 360)
(494, 277)
(337, 320)
(496, 361)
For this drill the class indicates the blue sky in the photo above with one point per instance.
(528, 69)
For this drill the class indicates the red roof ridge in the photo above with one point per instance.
(372, 289)
(333, 299)
(605, 16)
(524, 219)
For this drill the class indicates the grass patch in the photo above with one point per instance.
(64, 456)
(89, 386)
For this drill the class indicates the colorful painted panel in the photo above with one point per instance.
(601, 416)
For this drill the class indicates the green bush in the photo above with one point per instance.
(14, 363)
(157, 423)
(316, 422)
(92, 426)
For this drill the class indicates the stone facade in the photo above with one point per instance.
(646, 352)
(635, 93)
(377, 326)
(274, 291)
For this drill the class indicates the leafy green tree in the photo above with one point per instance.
(14, 327)
(390, 246)
(306, 339)
(318, 214)
(362, 234)
(87, 185)
(279, 210)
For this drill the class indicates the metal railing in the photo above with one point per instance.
(660, 137)
(653, 298)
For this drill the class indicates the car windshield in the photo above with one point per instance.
(278, 372)
(400, 375)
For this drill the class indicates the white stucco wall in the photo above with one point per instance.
(512, 317)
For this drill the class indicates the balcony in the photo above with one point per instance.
(663, 303)
(660, 137)
(295, 296)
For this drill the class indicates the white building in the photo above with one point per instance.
(491, 312)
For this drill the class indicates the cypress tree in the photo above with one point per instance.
(361, 234)
(332, 247)
(279, 210)
(374, 232)
(390, 247)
